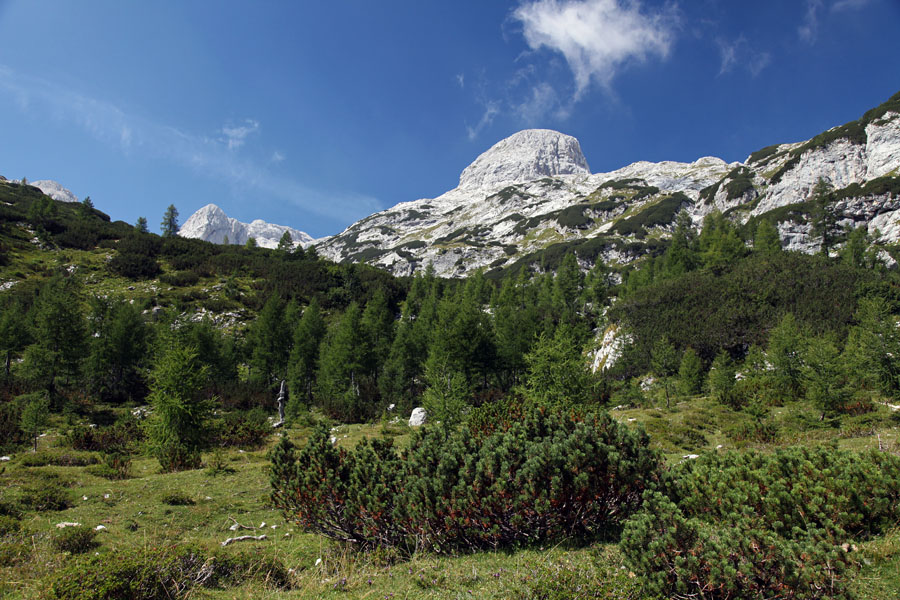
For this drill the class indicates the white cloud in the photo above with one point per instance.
(848, 4)
(728, 54)
(277, 157)
(758, 62)
(739, 52)
(211, 157)
(596, 37)
(541, 102)
(491, 110)
(461, 80)
(235, 136)
(809, 29)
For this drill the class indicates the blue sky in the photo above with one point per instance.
(315, 114)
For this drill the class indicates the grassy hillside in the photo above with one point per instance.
(150, 510)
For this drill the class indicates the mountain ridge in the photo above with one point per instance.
(545, 194)
(210, 223)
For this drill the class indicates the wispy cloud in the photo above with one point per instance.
(277, 157)
(491, 110)
(728, 51)
(236, 135)
(809, 28)
(848, 4)
(461, 80)
(738, 52)
(212, 156)
(542, 101)
(758, 62)
(596, 37)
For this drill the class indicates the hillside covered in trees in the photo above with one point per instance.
(150, 357)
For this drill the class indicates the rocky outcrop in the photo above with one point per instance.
(210, 223)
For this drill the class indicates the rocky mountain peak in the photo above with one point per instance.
(525, 156)
(210, 223)
(54, 190)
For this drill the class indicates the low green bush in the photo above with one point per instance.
(114, 466)
(75, 540)
(59, 458)
(753, 525)
(246, 429)
(13, 552)
(47, 497)
(116, 438)
(180, 278)
(162, 574)
(550, 475)
(177, 498)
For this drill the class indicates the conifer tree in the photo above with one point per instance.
(447, 393)
(515, 326)
(721, 378)
(14, 333)
(785, 353)
(304, 358)
(60, 335)
(719, 242)
(822, 216)
(286, 243)
(270, 340)
(567, 286)
(681, 257)
(664, 362)
(179, 427)
(690, 373)
(35, 416)
(169, 223)
(767, 239)
(340, 367)
(377, 324)
(854, 250)
(873, 346)
(557, 371)
(86, 208)
(825, 377)
(117, 349)
(141, 225)
(403, 366)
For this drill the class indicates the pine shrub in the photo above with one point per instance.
(551, 475)
(344, 495)
(751, 525)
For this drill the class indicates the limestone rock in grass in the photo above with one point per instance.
(418, 417)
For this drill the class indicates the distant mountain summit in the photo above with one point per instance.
(525, 156)
(531, 198)
(210, 223)
(54, 190)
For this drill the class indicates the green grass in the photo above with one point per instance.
(136, 517)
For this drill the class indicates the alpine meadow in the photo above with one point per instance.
(667, 380)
